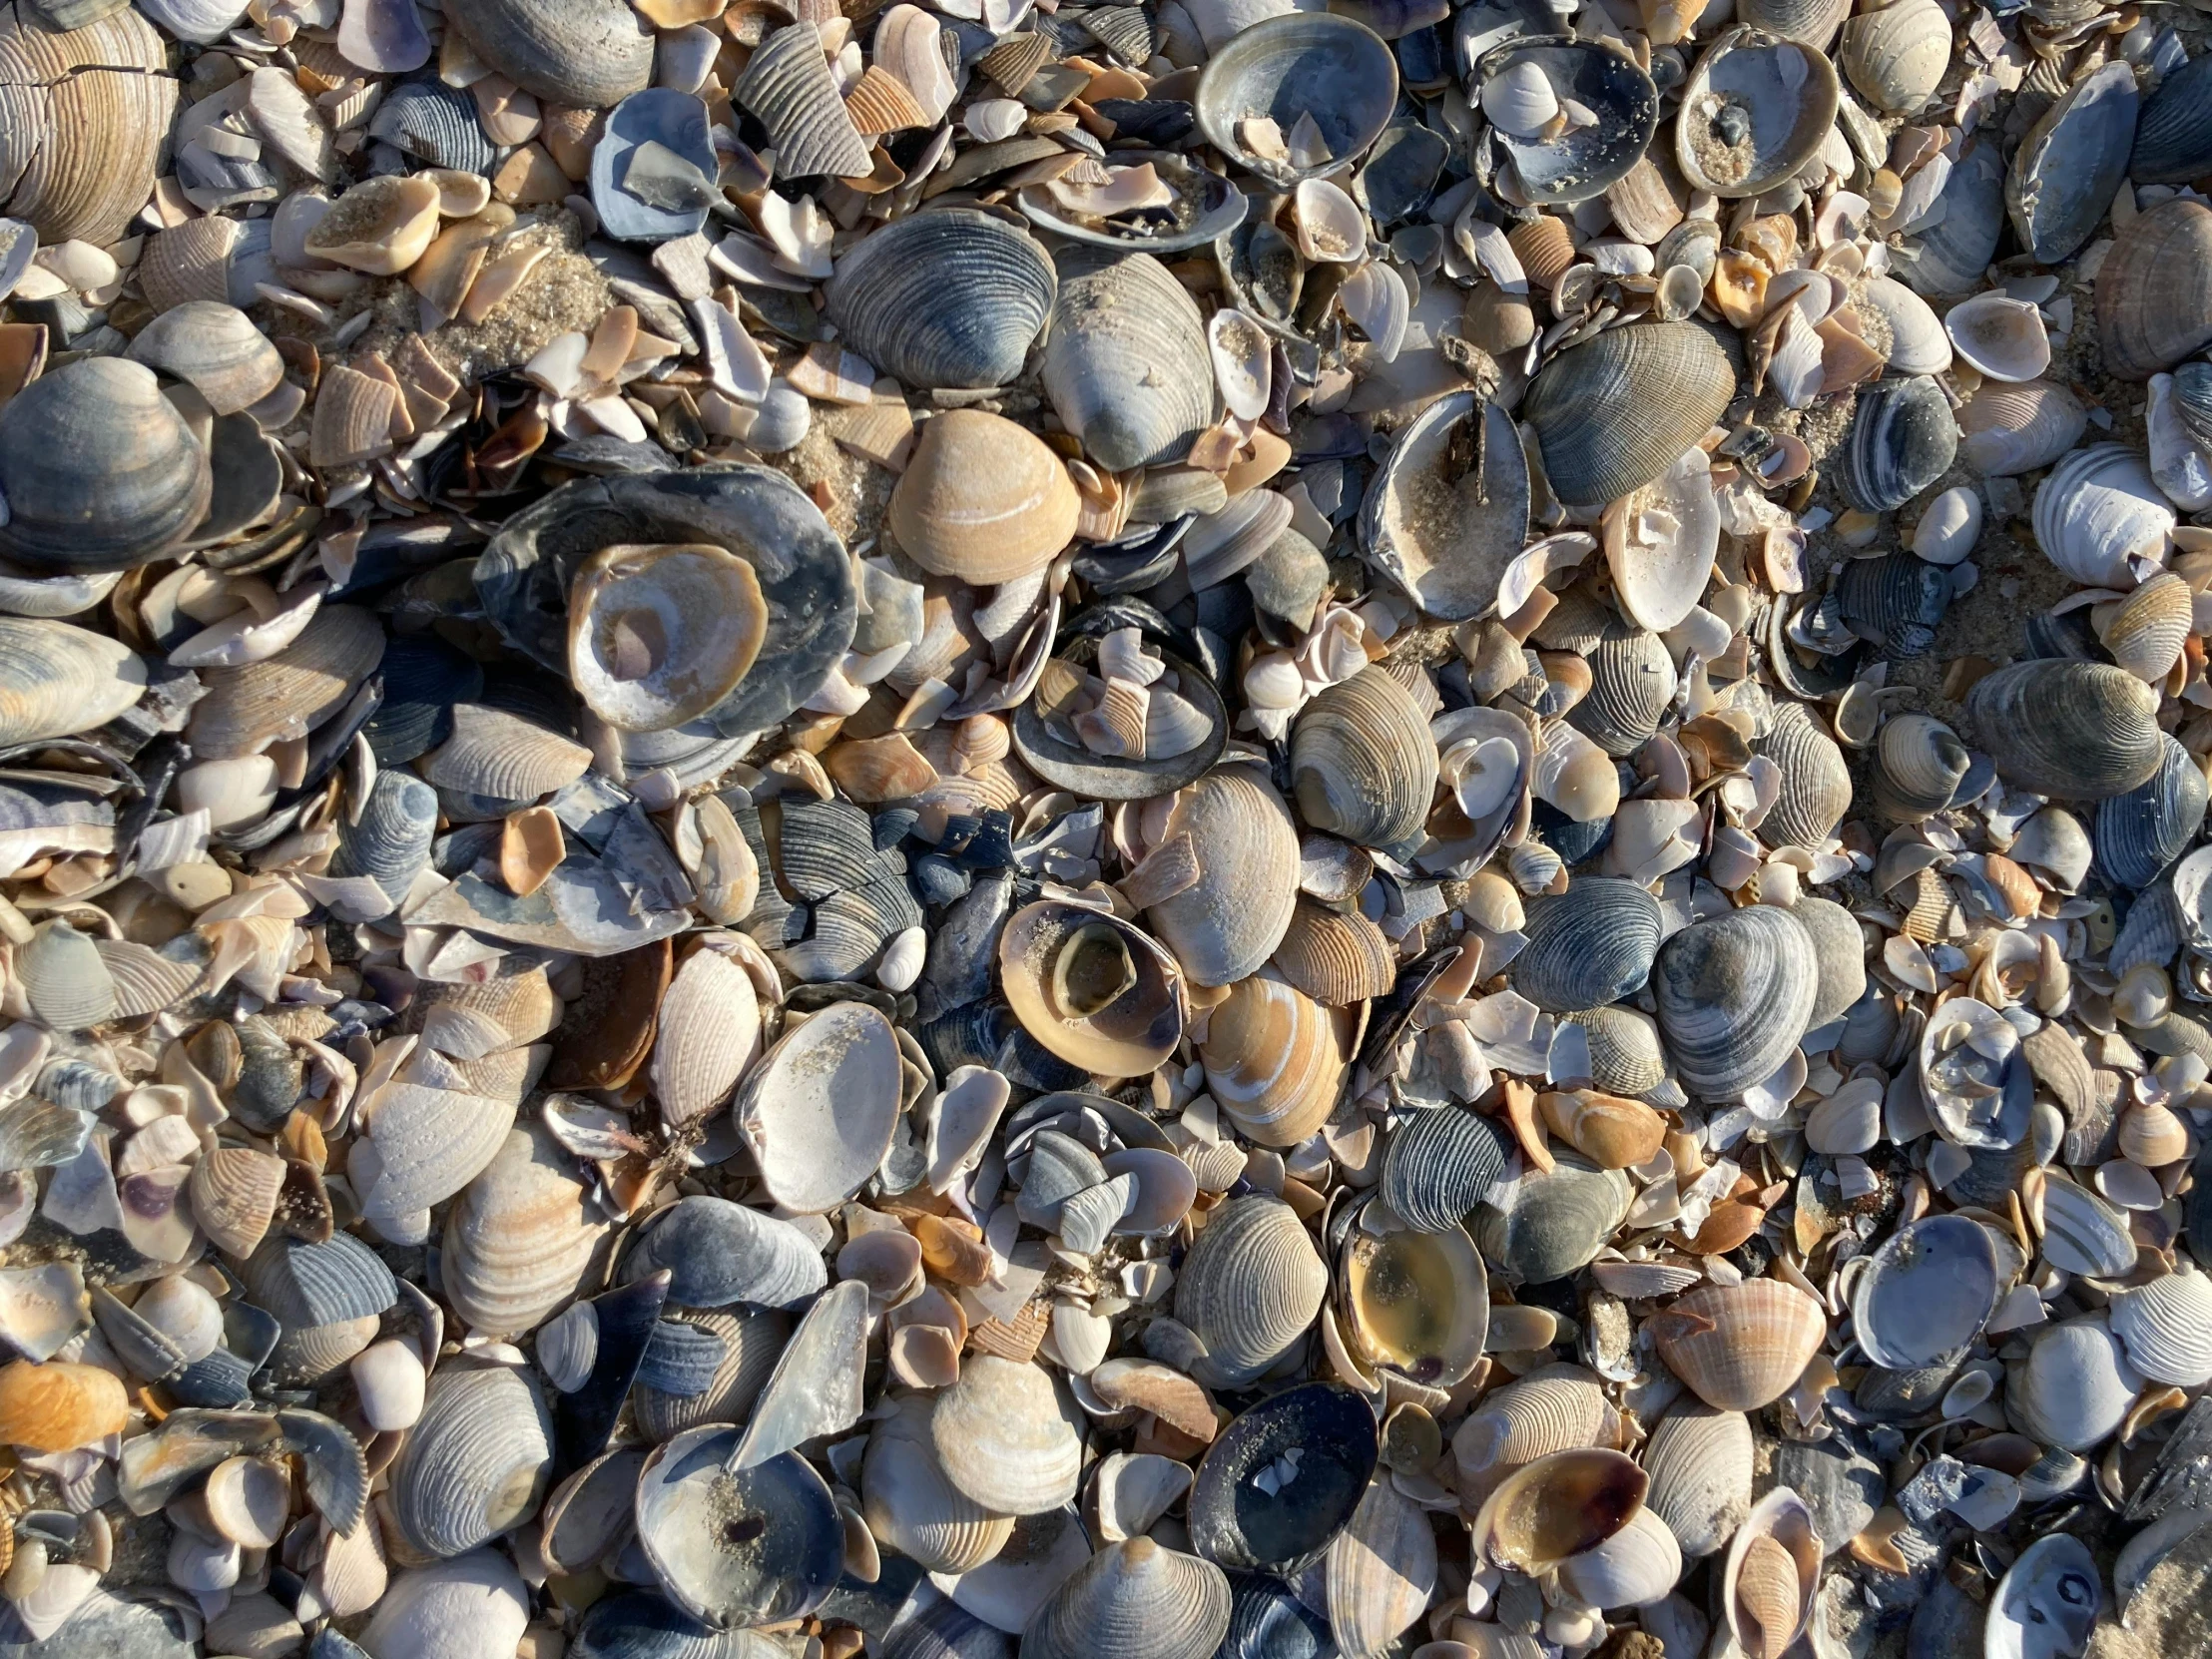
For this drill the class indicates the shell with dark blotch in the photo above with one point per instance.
(1240, 1523)
(1591, 945)
(2142, 830)
(953, 297)
(2074, 730)
(1903, 438)
(1673, 374)
(1735, 993)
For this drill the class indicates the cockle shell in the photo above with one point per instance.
(1896, 55)
(1250, 1288)
(1740, 1347)
(520, 1237)
(1773, 1575)
(2011, 429)
(2166, 1328)
(1699, 1460)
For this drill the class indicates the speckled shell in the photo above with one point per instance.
(2065, 171)
(1734, 995)
(1699, 1460)
(949, 298)
(1119, 362)
(1133, 1600)
(1275, 1059)
(1816, 783)
(1673, 374)
(587, 54)
(1228, 923)
(1250, 1288)
(475, 1464)
(2153, 311)
(1363, 762)
(1903, 438)
(2074, 730)
(1740, 1347)
(519, 1238)
(1591, 945)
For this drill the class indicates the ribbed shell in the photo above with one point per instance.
(391, 843)
(1267, 1621)
(1699, 1463)
(1362, 760)
(85, 117)
(1615, 412)
(586, 54)
(1734, 995)
(2173, 130)
(788, 84)
(234, 1193)
(475, 1464)
(501, 756)
(430, 1144)
(1591, 945)
(520, 1238)
(2146, 631)
(293, 691)
(2166, 1328)
(1626, 1055)
(1632, 681)
(216, 349)
(1003, 1440)
(722, 1253)
(752, 1340)
(1903, 438)
(1382, 1572)
(1560, 1218)
(2078, 731)
(2015, 427)
(1250, 1288)
(1275, 1060)
(952, 297)
(1812, 21)
(1897, 56)
(1761, 1334)
(1816, 783)
(1125, 365)
(1336, 957)
(910, 1506)
(1552, 1409)
(1225, 926)
(433, 122)
(307, 1285)
(2152, 308)
(709, 1030)
(64, 979)
(1437, 1165)
(2142, 831)
(424, 1608)
(1133, 1600)
(1918, 765)
(1896, 601)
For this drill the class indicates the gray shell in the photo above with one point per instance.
(1918, 764)
(1438, 1164)
(1559, 1220)
(1816, 783)
(786, 83)
(1591, 945)
(1440, 525)
(586, 54)
(436, 124)
(953, 297)
(1734, 992)
(1125, 365)
(659, 114)
(1926, 1293)
(1615, 412)
(752, 1338)
(1632, 681)
(2173, 130)
(2075, 730)
(1903, 438)
(475, 1464)
(391, 843)
(2064, 173)
(1133, 1600)
(1840, 949)
(1896, 601)
(1339, 71)
(2142, 831)
(1363, 762)
(1953, 253)
(1250, 1288)
(722, 1253)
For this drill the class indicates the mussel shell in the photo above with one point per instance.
(2074, 730)
(1674, 375)
(1583, 161)
(1118, 365)
(1556, 1221)
(1903, 439)
(588, 54)
(953, 297)
(2142, 831)
(1589, 947)
(1438, 1164)
(2073, 160)
(1952, 252)
(1239, 1522)
(1734, 995)
(1307, 63)
(2173, 130)
(1448, 510)
(752, 1548)
(1926, 1291)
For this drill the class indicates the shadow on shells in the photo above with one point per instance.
(1281, 1479)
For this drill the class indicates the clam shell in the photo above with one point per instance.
(642, 1624)
(1903, 437)
(586, 56)
(1336, 959)
(2151, 315)
(2011, 429)
(1275, 1059)
(1734, 995)
(1230, 921)
(748, 1342)
(188, 262)
(477, 1461)
(1897, 56)
(1917, 767)
(1244, 1511)
(1660, 570)
(1363, 762)
(949, 298)
(738, 1548)
(1278, 69)
(1840, 949)
(2078, 731)
(2001, 337)
(2165, 1326)
(1611, 1132)
(1555, 1507)
(471, 1605)
(1919, 344)
(1250, 1288)
(1816, 783)
(1636, 1566)
(1552, 1409)
(2083, 1234)
(2046, 1603)
(519, 1239)
(85, 117)
(1756, 107)
(1438, 1166)
(911, 1505)
(1415, 1303)
(1090, 987)
(1004, 1438)
(819, 1108)
(707, 1032)
(2098, 509)
(2173, 130)
(788, 84)
(1772, 1576)
(1626, 1054)
(1699, 1462)
(1590, 945)
(722, 1253)
(1973, 1077)
(2065, 171)
(59, 1407)
(1117, 364)
(1926, 1293)
(1896, 601)
(1740, 1347)
(1812, 21)
(1953, 249)
(982, 500)
(1444, 525)
(948, 1631)
(1581, 161)
(2142, 831)
(1632, 681)
(1673, 372)
(1556, 1221)
(674, 121)
(1130, 1600)
(215, 350)
(391, 841)
(2075, 1386)
(1381, 1572)
(292, 693)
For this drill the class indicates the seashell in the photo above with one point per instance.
(2148, 317)
(1552, 1409)
(476, 1463)
(652, 172)
(1275, 1059)
(586, 57)
(1004, 1438)
(1896, 55)
(1117, 363)
(1363, 762)
(982, 500)
(248, 1501)
(818, 1110)
(1335, 958)
(642, 1624)
(292, 693)
(1926, 1293)
(2083, 1234)
(88, 115)
(1282, 1478)
(722, 1253)
(1331, 70)
(474, 1603)
(389, 1382)
(64, 978)
(1584, 160)
(2065, 171)
(1250, 1288)
(911, 1505)
(1740, 1347)
(1760, 106)
(1632, 683)
(738, 1548)
(747, 1343)
(635, 654)
(1590, 945)
(1132, 1598)
(1903, 437)
(1556, 1221)
(1919, 344)
(1438, 1165)
(946, 1630)
(2011, 429)
(707, 1032)
(433, 122)
(1234, 829)
(1611, 1132)
(391, 841)
(2075, 1386)
(1626, 1054)
(519, 1239)
(1772, 1577)
(1663, 556)
(2165, 1329)
(2098, 510)
(1734, 995)
(59, 1407)
(2078, 731)
(953, 297)
(1699, 1463)
(1673, 370)
(1917, 768)
(1816, 783)
(2046, 1603)
(1091, 988)
(786, 83)
(1636, 1566)
(1555, 1507)
(2173, 142)
(1813, 22)
(1415, 1303)
(2145, 631)
(1974, 1078)
(1449, 510)
(1954, 247)
(215, 350)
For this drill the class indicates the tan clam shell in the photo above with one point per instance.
(1250, 1288)
(1898, 55)
(1699, 1463)
(1362, 760)
(84, 120)
(660, 635)
(1091, 988)
(1337, 958)
(707, 1032)
(912, 1506)
(59, 1407)
(355, 417)
(1552, 1409)
(1381, 1572)
(2146, 631)
(380, 227)
(520, 1238)
(188, 262)
(495, 754)
(1556, 1507)
(1740, 1347)
(1244, 850)
(1612, 1132)
(290, 692)
(2152, 310)
(1275, 1059)
(1003, 1438)
(982, 500)
(1772, 1576)
(233, 1191)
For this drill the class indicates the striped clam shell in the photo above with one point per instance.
(1734, 995)
(2146, 632)
(945, 1631)
(1363, 762)
(1587, 946)
(1626, 1055)
(1275, 1059)
(57, 680)
(1556, 1221)
(1896, 601)
(910, 1506)
(2151, 310)
(1919, 762)
(953, 297)
(722, 1253)
(586, 54)
(752, 1340)
(1133, 1600)
(1119, 362)
(1699, 1460)
(2173, 130)
(1673, 374)
(1250, 1288)
(1632, 681)
(1840, 948)
(520, 1238)
(1552, 1409)
(2142, 830)
(788, 84)
(1438, 1164)
(2098, 508)
(475, 1464)
(433, 124)
(390, 843)
(1267, 1621)
(1816, 783)
(2074, 730)
(1336, 957)
(296, 689)
(2166, 1328)
(1903, 438)
(84, 115)
(1740, 1347)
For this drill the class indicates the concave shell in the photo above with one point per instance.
(1381, 1571)
(2166, 1328)
(1555, 1219)
(473, 1604)
(1582, 162)
(1926, 1291)
(1555, 1507)
(953, 297)
(2075, 730)
(1974, 1078)
(215, 348)
(1917, 766)
(1449, 510)
(722, 1253)
(1335, 70)
(912, 1506)
(1784, 97)
(2048, 1602)
(2142, 831)
(819, 1108)
(98, 470)
(2001, 337)
(1004, 1438)
(1635, 1567)
(1896, 55)
(1118, 365)
(1816, 783)
(1673, 374)
(1229, 921)
(1417, 1302)
(1363, 762)
(1699, 1460)
(745, 1547)
(1632, 683)
(982, 500)
(1093, 989)
(2073, 160)
(1740, 1347)
(1772, 1575)
(57, 678)
(1240, 1515)
(1133, 1600)
(520, 1238)
(1903, 438)
(1275, 1059)
(661, 634)
(586, 55)
(752, 1341)
(676, 121)
(2075, 1386)
(2173, 130)
(2151, 309)
(1250, 1288)
(1112, 777)
(1438, 1164)
(85, 116)
(2098, 509)
(1953, 249)
(1591, 945)
(1734, 995)
(1670, 535)
(477, 1461)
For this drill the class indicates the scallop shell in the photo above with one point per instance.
(1244, 1514)
(1896, 55)
(477, 1461)
(912, 1506)
(1004, 1438)
(2150, 315)
(1590, 945)
(1673, 372)
(1772, 1577)
(1239, 837)
(2165, 1326)
(1133, 1599)
(1250, 1288)
(1917, 768)
(2073, 160)
(1926, 1293)
(1280, 68)
(820, 1109)
(1438, 1165)
(1556, 1221)
(519, 1239)
(2075, 1386)
(1117, 364)
(1903, 437)
(85, 116)
(586, 56)
(1816, 783)
(2078, 731)
(1734, 995)
(1699, 1462)
(949, 298)
(1740, 1347)
(2011, 429)
(1275, 1059)
(1448, 511)
(1756, 108)
(982, 500)
(2098, 509)
(1091, 988)
(1363, 762)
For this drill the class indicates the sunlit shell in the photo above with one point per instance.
(1275, 1059)
(1699, 1462)
(476, 1463)
(981, 499)
(519, 1238)
(911, 1505)
(1250, 1288)
(1091, 988)
(637, 648)
(819, 1109)
(1005, 1440)
(1740, 1347)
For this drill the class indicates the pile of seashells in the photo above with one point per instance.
(1105, 831)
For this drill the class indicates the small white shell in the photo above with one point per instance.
(389, 1380)
(2001, 337)
(1950, 527)
(1520, 99)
